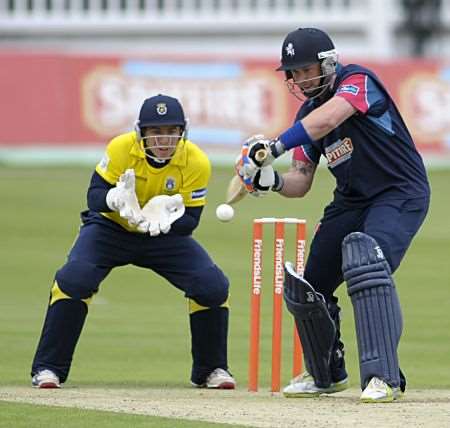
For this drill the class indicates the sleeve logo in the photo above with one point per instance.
(104, 162)
(199, 194)
(348, 89)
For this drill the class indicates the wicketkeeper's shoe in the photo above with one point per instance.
(45, 379)
(303, 386)
(378, 391)
(218, 379)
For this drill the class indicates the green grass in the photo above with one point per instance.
(27, 415)
(137, 331)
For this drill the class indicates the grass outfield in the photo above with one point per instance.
(27, 415)
(137, 335)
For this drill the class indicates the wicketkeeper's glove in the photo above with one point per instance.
(123, 199)
(160, 212)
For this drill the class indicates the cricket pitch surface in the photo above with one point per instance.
(418, 408)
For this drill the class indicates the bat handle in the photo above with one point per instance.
(261, 155)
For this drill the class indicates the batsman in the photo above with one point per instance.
(380, 201)
(145, 199)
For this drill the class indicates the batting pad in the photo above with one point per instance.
(316, 329)
(376, 308)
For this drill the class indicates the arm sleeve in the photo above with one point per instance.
(195, 181)
(186, 224)
(114, 161)
(306, 153)
(96, 194)
(363, 94)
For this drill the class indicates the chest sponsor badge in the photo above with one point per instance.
(170, 184)
(339, 152)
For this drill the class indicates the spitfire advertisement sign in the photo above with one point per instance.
(224, 102)
(82, 101)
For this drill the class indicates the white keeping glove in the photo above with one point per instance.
(160, 212)
(123, 199)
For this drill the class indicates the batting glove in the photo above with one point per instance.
(123, 199)
(266, 179)
(262, 151)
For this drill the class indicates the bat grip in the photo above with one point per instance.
(261, 155)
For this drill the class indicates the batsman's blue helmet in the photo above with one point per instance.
(306, 46)
(161, 110)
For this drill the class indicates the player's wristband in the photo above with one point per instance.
(276, 148)
(295, 136)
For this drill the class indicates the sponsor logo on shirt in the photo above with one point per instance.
(339, 152)
(198, 194)
(170, 183)
(349, 89)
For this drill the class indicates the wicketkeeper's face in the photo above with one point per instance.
(161, 141)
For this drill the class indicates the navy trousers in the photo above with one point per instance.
(179, 259)
(392, 223)
(103, 245)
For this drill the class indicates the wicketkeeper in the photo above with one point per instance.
(145, 199)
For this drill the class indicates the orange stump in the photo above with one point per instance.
(256, 289)
(278, 270)
(255, 312)
(297, 363)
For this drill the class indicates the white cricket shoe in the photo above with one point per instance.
(45, 379)
(218, 379)
(378, 391)
(303, 386)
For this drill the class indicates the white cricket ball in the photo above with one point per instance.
(224, 212)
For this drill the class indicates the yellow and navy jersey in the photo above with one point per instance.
(187, 173)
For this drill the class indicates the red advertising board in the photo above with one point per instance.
(61, 99)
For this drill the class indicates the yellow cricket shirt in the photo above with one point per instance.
(187, 173)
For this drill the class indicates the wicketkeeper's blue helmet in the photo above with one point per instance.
(157, 111)
(161, 110)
